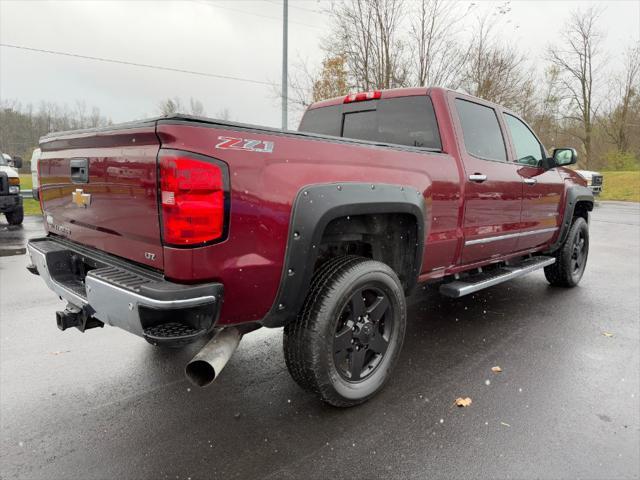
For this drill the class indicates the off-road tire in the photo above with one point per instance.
(15, 217)
(309, 340)
(563, 273)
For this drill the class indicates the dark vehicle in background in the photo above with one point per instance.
(10, 199)
(178, 228)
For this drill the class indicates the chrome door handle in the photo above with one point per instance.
(477, 177)
(530, 181)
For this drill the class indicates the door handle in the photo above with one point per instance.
(477, 177)
(530, 181)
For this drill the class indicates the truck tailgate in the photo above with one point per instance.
(99, 189)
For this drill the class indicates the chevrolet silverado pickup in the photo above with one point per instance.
(181, 229)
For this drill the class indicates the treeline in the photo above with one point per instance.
(576, 95)
(22, 126)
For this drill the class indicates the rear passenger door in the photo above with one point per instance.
(492, 184)
(542, 188)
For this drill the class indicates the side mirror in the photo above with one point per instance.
(565, 156)
(17, 162)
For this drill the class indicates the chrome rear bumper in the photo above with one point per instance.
(125, 295)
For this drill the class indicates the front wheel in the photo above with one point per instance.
(15, 217)
(571, 257)
(348, 336)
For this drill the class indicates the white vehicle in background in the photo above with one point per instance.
(594, 180)
(35, 157)
(10, 198)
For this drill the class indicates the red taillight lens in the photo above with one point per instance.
(192, 193)
(362, 96)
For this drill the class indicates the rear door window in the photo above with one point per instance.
(481, 131)
(408, 121)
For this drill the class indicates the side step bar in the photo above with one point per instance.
(480, 281)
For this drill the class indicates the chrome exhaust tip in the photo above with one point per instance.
(205, 367)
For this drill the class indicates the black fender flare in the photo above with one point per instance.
(575, 194)
(317, 205)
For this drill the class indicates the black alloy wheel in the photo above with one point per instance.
(362, 334)
(571, 257)
(579, 253)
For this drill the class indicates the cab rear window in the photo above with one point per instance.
(408, 121)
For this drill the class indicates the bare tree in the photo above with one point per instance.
(80, 114)
(196, 107)
(21, 127)
(626, 87)
(224, 114)
(546, 121)
(367, 34)
(496, 72)
(577, 58)
(436, 55)
(170, 106)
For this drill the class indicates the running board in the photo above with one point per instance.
(480, 281)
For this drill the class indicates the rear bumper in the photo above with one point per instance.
(124, 295)
(8, 203)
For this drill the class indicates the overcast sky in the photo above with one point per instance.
(241, 38)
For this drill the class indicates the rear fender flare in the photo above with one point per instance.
(317, 205)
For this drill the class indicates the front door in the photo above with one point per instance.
(542, 190)
(493, 187)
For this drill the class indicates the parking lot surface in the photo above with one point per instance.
(105, 404)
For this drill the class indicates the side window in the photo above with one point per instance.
(481, 131)
(528, 149)
(408, 121)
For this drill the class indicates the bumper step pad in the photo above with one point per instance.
(172, 332)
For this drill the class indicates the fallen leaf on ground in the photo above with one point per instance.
(496, 369)
(505, 424)
(607, 334)
(463, 402)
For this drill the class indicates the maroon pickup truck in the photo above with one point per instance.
(182, 229)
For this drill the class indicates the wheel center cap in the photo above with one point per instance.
(367, 329)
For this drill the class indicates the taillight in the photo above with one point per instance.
(192, 194)
(362, 96)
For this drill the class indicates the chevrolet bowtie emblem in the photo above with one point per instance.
(81, 199)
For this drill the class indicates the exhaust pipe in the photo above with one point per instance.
(205, 367)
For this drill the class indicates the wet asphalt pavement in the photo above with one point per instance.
(105, 404)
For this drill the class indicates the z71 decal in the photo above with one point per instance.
(246, 144)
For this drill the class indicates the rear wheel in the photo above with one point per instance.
(571, 258)
(15, 217)
(347, 339)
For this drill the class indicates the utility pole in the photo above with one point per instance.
(285, 47)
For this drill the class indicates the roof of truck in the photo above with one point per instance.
(389, 93)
